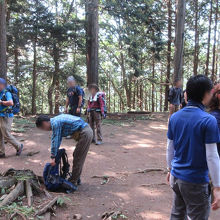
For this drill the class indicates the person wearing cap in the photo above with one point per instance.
(74, 100)
(6, 116)
(96, 112)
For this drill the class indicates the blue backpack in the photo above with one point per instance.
(55, 176)
(15, 109)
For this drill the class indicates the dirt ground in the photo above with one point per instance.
(128, 147)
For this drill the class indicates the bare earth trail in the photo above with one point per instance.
(128, 147)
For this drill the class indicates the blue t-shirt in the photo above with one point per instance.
(5, 96)
(73, 94)
(190, 129)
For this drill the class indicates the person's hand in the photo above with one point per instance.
(52, 162)
(216, 202)
(1, 102)
(168, 177)
(78, 110)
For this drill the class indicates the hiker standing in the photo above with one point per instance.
(62, 126)
(6, 117)
(175, 97)
(96, 110)
(214, 108)
(192, 154)
(74, 100)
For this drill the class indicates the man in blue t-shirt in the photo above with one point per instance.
(74, 98)
(6, 117)
(192, 154)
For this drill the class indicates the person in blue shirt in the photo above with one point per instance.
(62, 126)
(192, 154)
(74, 98)
(6, 117)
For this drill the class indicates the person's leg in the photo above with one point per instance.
(198, 200)
(80, 153)
(171, 109)
(179, 208)
(98, 121)
(5, 129)
(2, 143)
(92, 124)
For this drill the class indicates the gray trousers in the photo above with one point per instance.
(80, 153)
(191, 201)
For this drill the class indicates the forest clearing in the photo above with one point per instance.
(130, 147)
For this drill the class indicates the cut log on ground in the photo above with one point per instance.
(29, 193)
(148, 170)
(7, 182)
(14, 194)
(47, 207)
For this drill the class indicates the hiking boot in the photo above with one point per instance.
(20, 150)
(79, 182)
(2, 155)
(98, 143)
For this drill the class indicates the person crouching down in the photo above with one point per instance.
(96, 112)
(62, 126)
(6, 117)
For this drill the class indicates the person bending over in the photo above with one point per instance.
(62, 126)
(192, 154)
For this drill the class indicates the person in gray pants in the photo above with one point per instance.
(192, 154)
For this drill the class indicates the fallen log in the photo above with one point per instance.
(47, 207)
(7, 182)
(14, 194)
(32, 153)
(29, 192)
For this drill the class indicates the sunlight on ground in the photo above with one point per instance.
(149, 215)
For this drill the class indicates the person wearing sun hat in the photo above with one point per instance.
(6, 102)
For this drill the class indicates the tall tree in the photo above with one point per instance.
(179, 39)
(214, 44)
(196, 44)
(169, 8)
(209, 40)
(3, 59)
(92, 29)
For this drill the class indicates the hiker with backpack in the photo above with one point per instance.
(62, 126)
(8, 106)
(75, 97)
(175, 97)
(96, 111)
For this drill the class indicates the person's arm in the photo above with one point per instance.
(8, 101)
(170, 153)
(67, 104)
(80, 96)
(213, 163)
(102, 104)
(185, 97)
(56, 139)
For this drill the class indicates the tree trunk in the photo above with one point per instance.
(153, 86)
(209, 39)
(92, 30)
(169, 7)
(161, 91)
(214, 44)
(16, 54)
(57, 82)
(196, 47)
(179, 39)
(34, 79)
(3, 58)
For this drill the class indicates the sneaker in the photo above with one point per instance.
(69, 137)
(20, 150)
(2, 155)
(98, 143)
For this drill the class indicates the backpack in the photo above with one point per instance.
(55, 176)
(170, 94)
(15, 109)
(102, 94)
